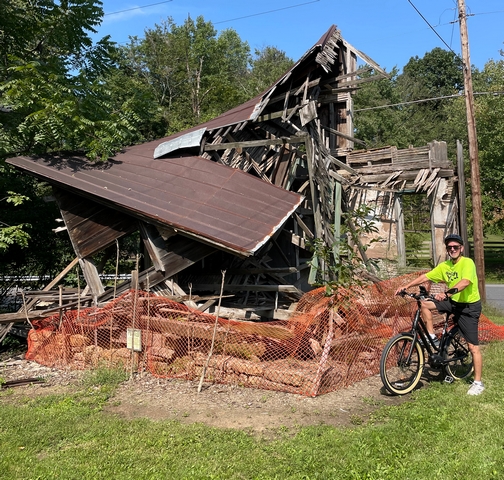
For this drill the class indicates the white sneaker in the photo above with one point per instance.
(476, 389)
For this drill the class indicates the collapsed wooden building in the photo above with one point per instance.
(248, 193)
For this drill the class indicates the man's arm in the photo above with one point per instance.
(462, 284)
(417, 281)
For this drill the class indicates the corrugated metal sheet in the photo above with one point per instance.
(200, 198)
(188, 140)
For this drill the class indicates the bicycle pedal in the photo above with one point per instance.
(449, 379)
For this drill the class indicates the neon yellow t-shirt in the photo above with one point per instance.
(451, 273)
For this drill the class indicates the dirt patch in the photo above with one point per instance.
(223, 406)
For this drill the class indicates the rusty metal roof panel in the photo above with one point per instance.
(200, 198)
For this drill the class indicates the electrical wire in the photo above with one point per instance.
(423, 100)
(222, 21)
(137, 8)
(431, 27)
(264, 13)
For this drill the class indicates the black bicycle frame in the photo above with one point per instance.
(420, 333)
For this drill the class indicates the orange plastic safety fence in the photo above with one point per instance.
(329, 342)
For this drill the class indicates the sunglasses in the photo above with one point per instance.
(453, 247)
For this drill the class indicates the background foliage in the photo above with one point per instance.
(59, 91)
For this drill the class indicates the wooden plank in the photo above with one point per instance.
(255, 143)
(51, 284)
(249, 288)
(186, 328)
(265, 271)
(182, 253)
(391, 177)
(420, 178)
(303, 226)
(176, 289)
(286, 104)
(282, 166)
(314, 191)
(400, 237)
(392, 155)
(154, 244)
(380, 178)
(91, 275)
(414, 165)
(381, 73)
(338, 177)
(343, 135)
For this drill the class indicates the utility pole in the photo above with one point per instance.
(479, 255)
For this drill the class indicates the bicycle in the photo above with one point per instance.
(403, 358)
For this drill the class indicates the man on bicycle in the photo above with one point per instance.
(458, 273)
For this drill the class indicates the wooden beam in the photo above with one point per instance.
(183, 253)
(250, 288)
(91, 275)
(154, 244)
(344, 135)
(273, 115)
(303, 226)
(338, 177)
(256, 143)
(266, 270)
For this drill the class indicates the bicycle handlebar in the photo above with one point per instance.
(424, 295)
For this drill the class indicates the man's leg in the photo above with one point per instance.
(477, 361)
(426, 311)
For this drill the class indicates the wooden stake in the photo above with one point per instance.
(214, 333)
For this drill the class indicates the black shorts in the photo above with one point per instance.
(466, 315)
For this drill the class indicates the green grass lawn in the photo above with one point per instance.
(440, 433)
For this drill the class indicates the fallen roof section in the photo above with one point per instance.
(213, 203)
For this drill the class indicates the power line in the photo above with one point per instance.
(485, 13)
(269, 11)
(431, 27)
(222, 21)
(426, 100)
(137, 8)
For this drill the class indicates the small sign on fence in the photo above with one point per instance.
(134, 339)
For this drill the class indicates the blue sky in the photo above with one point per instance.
(388, 31)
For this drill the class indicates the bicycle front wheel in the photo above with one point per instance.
(401, 364)
(457, 355)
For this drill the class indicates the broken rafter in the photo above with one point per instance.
(257, 143)
(344, 135)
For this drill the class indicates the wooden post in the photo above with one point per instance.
(337, 220)
(479, 255)
(400, 238)
(462, 199)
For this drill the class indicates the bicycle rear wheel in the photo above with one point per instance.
(457, 353)
(401, 364)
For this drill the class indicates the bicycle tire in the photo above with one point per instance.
(400, 374)
(456, 346)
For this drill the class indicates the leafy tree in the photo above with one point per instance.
(27, 244)
(489, 120)
(267, 66)
(51, 98)
(438, 74)
(193, 74)
(411, 119)
(378, 113)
